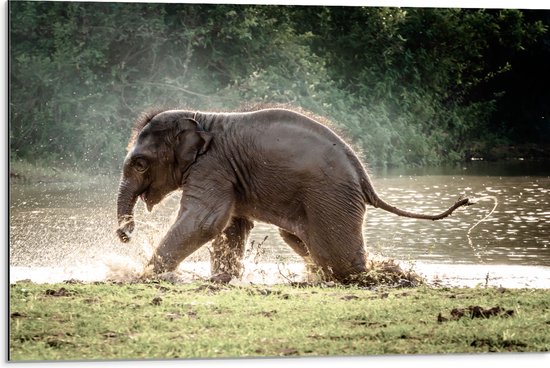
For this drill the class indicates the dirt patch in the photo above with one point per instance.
(211, 288)
(349, 297)
(498, 344)
(268, 314)
(156, 301)
(288, 352)
(61, 292)
(475, 311)
(110, 335)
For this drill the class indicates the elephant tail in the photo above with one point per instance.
(378, 202)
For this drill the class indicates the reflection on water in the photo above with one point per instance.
(517, 232)
(66, 225)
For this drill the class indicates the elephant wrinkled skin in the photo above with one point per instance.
(273, 165)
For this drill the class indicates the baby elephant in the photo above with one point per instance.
(273, 165)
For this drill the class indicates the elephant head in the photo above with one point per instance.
(162, 150)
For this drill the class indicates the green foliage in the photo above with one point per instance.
(408, 85)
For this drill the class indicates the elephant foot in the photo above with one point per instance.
(147, 273)
(314, 273)
(158, 265)
(226, 274)
(226, 268)
(221, 278)
(171, 277)
(154, 271)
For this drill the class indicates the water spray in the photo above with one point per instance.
(495, 200)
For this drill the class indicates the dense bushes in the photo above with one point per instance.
(410, 86)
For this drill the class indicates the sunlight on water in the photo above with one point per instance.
(513, 234)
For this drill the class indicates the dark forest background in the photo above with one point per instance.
(409, 86)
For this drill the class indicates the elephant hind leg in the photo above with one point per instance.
(338, 250)
(312, 270)
(228, 249)
(295, 243)
(341, 261)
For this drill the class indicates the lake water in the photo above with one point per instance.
(72, 226)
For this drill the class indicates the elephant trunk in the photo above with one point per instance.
(126, 200)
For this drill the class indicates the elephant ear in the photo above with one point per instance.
(190, 144)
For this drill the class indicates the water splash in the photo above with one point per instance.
(127, 270)
(470, 242)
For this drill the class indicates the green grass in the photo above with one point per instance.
(164, 320)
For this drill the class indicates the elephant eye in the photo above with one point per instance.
(140, 164)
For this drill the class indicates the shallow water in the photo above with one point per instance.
(68, 225)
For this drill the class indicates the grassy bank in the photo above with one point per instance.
(162, 320)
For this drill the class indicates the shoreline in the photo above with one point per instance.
(434, 274)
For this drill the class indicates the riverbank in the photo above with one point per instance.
(162, 320)
(523, 152)
(436, 275)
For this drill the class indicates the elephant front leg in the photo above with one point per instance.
(228, 250)
(196, 225)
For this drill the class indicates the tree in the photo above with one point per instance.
(410, 86)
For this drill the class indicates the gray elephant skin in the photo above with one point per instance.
(272, 165)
